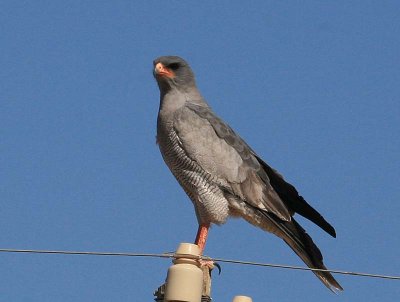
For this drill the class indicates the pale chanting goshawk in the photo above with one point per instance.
(221, 174)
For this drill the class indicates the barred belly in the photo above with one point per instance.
(210, 204)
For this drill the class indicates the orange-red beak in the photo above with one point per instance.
(162, 71)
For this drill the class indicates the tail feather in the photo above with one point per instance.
(302, 244)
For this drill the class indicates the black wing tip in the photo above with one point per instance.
(330, 230)
(288, 193)
(313, 215)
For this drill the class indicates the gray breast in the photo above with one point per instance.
(208, 199)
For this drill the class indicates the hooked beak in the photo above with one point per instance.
(161, 71)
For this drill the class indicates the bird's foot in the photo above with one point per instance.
(209, 264)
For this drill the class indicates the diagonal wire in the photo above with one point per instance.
(173, 255)
(308, 269)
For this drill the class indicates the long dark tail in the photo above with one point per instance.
(301, 243)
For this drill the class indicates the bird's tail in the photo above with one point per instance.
(301, 243)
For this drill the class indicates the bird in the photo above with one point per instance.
(222, 175)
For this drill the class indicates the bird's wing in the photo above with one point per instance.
(292, 198)
(215, 147)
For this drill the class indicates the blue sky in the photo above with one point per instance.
(312, 86)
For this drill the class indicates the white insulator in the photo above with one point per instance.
(185, 278)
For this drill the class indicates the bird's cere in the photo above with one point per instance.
(161, 70)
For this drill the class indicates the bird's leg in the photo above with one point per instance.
(200, 241)
(205, 265)
(201, 236)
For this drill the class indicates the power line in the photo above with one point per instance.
(166, 255)
(308, 269)
(173, 255)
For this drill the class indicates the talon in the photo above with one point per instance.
(210, 264)
(218, 267)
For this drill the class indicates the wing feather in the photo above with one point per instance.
(219, 151)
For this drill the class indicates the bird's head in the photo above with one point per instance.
(173, 72)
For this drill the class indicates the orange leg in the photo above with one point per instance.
(201, 236)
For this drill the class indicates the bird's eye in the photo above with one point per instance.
(174, 66)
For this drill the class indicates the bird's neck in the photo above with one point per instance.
(171, 101)
(174, 99)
